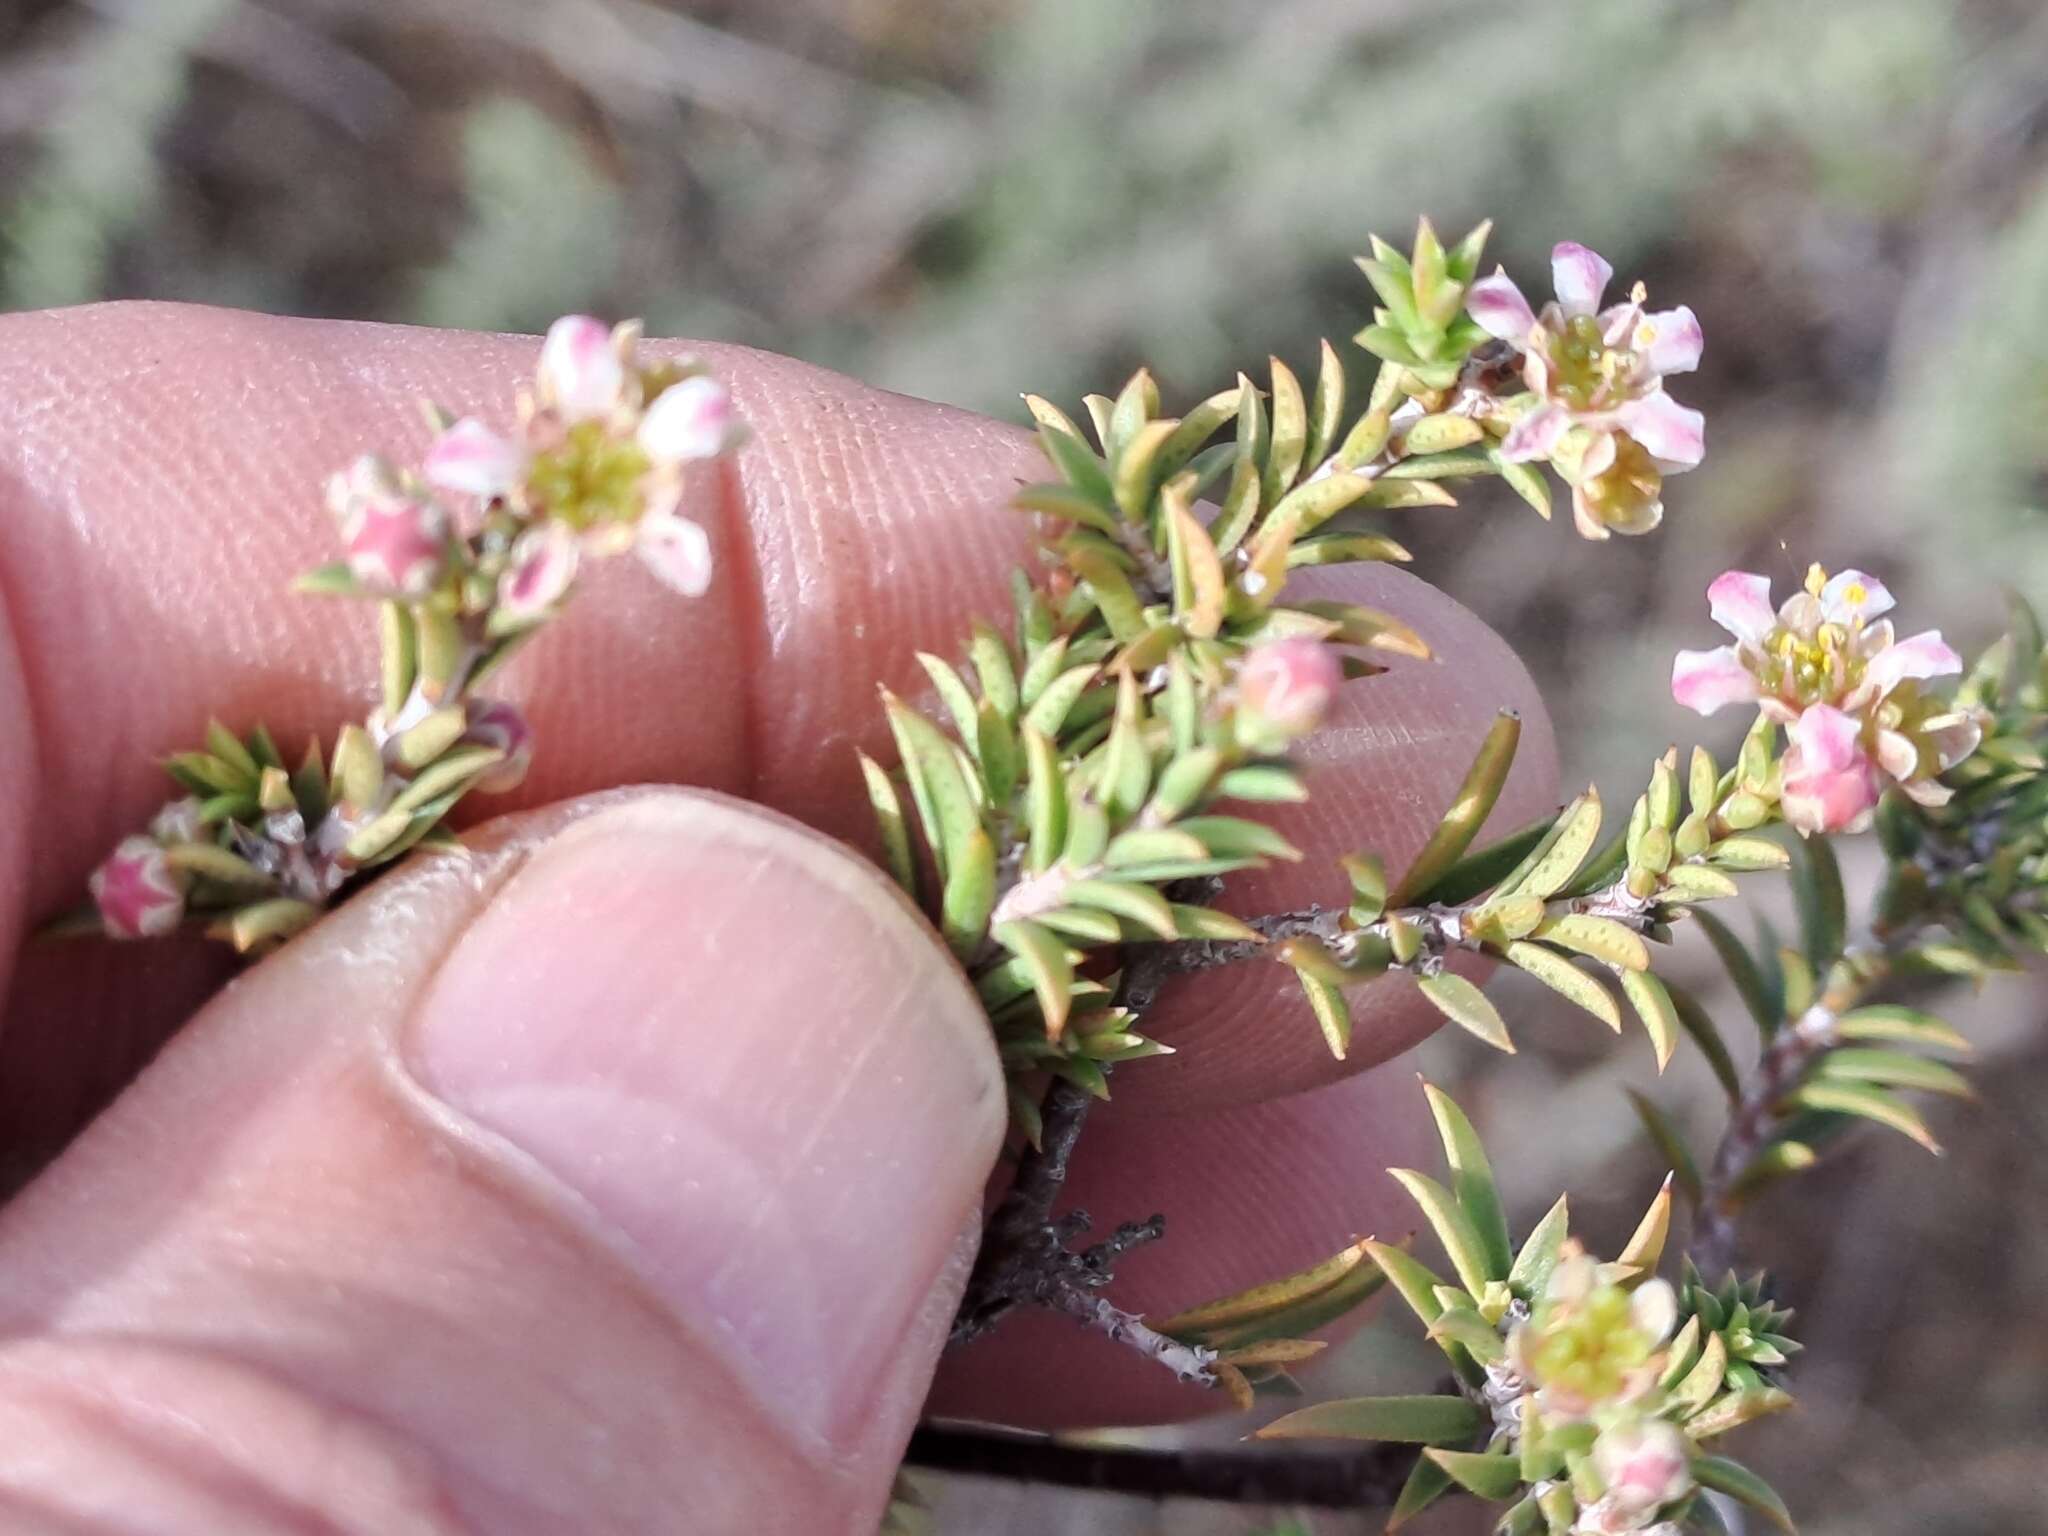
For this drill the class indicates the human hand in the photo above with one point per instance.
(620, 1174)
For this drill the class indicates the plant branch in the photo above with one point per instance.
(1355, 1480)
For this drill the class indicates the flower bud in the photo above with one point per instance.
(137, 892)
(471, 460)
(543, 564)
(690, 420)
(398, 545)
(1642, 1467)
(494, 723)
(1285, 687)
(581, 376)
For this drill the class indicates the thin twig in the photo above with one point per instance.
(1357, 1480)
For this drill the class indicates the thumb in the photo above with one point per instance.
(616, 1175)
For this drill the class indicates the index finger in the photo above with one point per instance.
(159, 468)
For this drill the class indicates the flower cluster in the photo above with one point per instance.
(1826, 666)
(1591, 1355)
(1597, 409)
(466, 557)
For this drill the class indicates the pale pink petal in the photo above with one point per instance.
(690, 420)
(1675, 435)
(1829, 782)
(138, 894)
(580, 372)
(1927, 792)
(1922, 656)
(1953, 737)
(1670, 340)
(1826, 739)
(1579, 277)
(1854, 595)
(399, 546)
(1584, 518)
(1897, 755)
(678, 551)
(1704, 681)
(1288, 684)
(542, 566)
(1537, 434)
(1740, 602)
(1500, 308)
(1645, 1464)
(472, 460)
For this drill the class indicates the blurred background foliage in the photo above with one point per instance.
(961, 198)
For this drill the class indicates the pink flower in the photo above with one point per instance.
(678, 551)
(470, 459)
(1643, 1465)
(1830, 782)
(1599, 373)
(399, 546)
(1287, 685)
(1829, 647)
(690, 420)
(138, 893)
(494, 723)
(542, 565)
(582, 375)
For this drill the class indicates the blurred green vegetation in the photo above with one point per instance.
(962, 198)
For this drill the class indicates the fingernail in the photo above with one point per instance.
(752, 1063)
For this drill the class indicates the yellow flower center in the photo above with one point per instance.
(592, 477)
(1590, 1347)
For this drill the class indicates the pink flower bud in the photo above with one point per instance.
(543, 564)
(690, 420)
(472, 460)
(138, 893)
(1831, 784)
(581, 374)
(398, 545)
(494, 723)
(1288, 684)
(1644, 1465)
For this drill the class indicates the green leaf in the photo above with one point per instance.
(334, 579)
(1466, 1327)
(1466, 1006)
(1469, 1254)
(1738, 1482)
(1491, 1475)
(1049, 711)
(1894, 1069)
(1468, 810)
(1332, 1013)
(1234, 837)
(1566, 979)
(1471, 1177)
(1262, 784)
(1706, 1034)
(938, 787)
(1910, 1026)
(1760, 998)
(1823, 909)
(1195, 429)
(1044, 956)
(1878, 1104)
(1577, 827)
(1426, 1483)
(953, 693)
(1045, 801)
(1670, 1144)
(994, 669)
(1602, 938)
(1289, 438)
(1490, 866)
(1076, 464)
(1652, 1003)
(1530, 1275)
(1140, 903)
(970, 894)
(1407, 1420)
